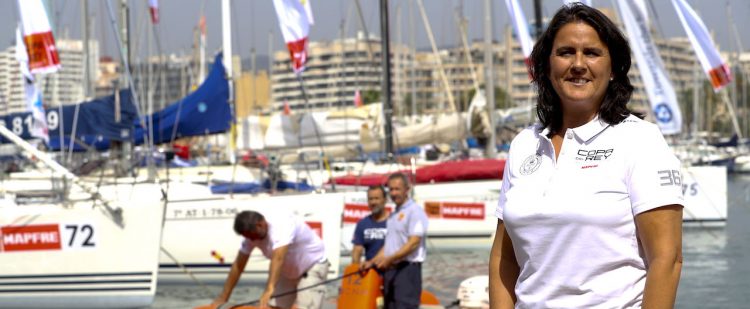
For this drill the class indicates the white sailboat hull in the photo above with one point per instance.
(77, 256)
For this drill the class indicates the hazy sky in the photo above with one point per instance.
(252, 20)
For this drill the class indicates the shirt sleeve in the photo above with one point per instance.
(358, 237)
(418, 222)
(246, 247)
(655, 176)
(502, 199)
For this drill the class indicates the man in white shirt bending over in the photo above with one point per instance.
(297, 259)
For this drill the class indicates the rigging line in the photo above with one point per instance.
(126, 68)
(187, 271)
(303, 288)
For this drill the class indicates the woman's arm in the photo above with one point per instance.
(660, 234)
(503, 270)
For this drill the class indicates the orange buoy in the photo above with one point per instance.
(359, 291)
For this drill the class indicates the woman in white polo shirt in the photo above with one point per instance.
(590, 211)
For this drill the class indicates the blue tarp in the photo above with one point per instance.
(254, 187)
(96, 122)
(204, 111)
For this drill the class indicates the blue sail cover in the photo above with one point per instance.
(204, 111)
(96, 125)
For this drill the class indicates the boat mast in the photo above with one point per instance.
(538, 17)
(226, 32)
(385, 51)
(489, 84)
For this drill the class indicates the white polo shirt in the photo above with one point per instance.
(572, 220)
(284, 228)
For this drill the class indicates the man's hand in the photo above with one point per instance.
(384, 262)
(218, 302)
(265, 298)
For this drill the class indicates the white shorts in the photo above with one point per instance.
(307, 299)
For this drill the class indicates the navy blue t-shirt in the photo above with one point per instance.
(370, 235)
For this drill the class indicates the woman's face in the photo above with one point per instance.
(580, 69)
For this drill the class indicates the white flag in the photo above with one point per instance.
(37, 36)
(659, 89)
(295, 18)
(716, 69)
(521, 27)
(32, 94)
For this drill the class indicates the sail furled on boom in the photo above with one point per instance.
(717, 70)
(659, 89)
(295, 19)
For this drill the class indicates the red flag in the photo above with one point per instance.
(357, 99)
(37, 34)
(153, 6)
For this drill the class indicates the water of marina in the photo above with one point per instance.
(715, 273)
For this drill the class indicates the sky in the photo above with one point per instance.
(253, 20)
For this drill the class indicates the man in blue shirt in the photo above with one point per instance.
(369, 235)
(404, 249)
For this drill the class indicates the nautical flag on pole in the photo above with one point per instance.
(717, 71)
(659, 89)
(295, 18)
(32, 94)
(37, 36)
(357, 99)
(522, 29)
(586, 2)
(153, 6)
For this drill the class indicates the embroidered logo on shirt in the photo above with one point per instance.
(531, 164)
(400, 216)
(594, 155)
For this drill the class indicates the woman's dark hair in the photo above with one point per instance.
(613, 109)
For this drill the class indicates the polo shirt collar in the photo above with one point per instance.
(587, 131)
(406, 204)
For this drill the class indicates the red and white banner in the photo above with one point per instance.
(455, 210)
(716, 69)
(295, 18)
(33, 95)
(37, 35)
(656, 81)
(31, 237)
(153, 7)
(54, 236)
(522, 29)
(353, 212)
